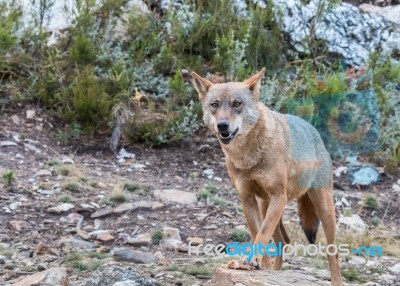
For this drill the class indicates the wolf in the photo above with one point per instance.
(271, 158)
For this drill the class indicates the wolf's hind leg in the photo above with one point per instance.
(322, 200)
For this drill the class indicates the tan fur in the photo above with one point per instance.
(269, 163)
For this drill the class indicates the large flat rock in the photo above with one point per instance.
(231, 277)
(56, 276)
(175, 196)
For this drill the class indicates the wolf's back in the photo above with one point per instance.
(306, 145)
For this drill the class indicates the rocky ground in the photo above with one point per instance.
(77, 214)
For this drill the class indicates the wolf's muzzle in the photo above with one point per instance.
(226, 137)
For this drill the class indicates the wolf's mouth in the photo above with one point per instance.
(226, 136)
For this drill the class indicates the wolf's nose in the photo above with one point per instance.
(223, 125)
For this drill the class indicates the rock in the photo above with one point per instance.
(140, 240)
(67, 160)
(396, 188)
(113, 272)
(72, 244)
(14, 206)
(138, 166)
(126, 283)
(338, 171)
(61, 208)
(390, 13)
(101, 185)
(42, 266)
(19, 224)
(135, 256)
(7, 144)
(16, 119)
(43, 249)
(357, 261)
(346, 31)
(102, 212)
(183, 248)
(195, 240)
(102, 235)
(83, 234)
(395, 269)
(225, 276)
(87, 207)
(142, 205)
(171, 232)
(105, 237)
(123, 155)
(170, 244)
(43, 173)
(56, 276)
(32, 148)
(72, 218)
(30, 114)
(209, 173)
(363, 175)
(354, 222)
(175, 196)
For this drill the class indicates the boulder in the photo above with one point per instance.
(224, 276)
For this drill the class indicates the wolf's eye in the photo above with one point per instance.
(214, 105)
(237, 104)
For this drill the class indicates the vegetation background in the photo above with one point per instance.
(126, 74)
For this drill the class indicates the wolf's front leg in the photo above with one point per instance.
(251, 211)
(271, 221)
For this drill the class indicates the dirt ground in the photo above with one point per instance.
(93, 177)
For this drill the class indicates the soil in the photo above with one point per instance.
(99, 173)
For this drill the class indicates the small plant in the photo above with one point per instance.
(353, 275)
(219, 201)
(8, 178)
(6, 252)
(193, 175)
(371, 202)
(65, 199)
(29, 269)
(347, 212)
(73, 186)
(375, 221)
(197, 270)
(172, 267)
(87, 261)
(204, 194)
(54, 163)
(11, 266)
(239, 235)
(156, 236)
(212, 188)
(118, 197)
(135, 188)
(65, 171)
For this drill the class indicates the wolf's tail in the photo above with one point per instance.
(308, 218)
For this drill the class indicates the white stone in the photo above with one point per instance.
(171, 195)
(354, 222)
(61, 208)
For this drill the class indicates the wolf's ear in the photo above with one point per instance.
(201, 84)
(254, 82)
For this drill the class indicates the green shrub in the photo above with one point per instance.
(65, 199)
(88, 104)
(239, 235)
(371, 202)
(82, 51)
(156, 236)
(8, 178)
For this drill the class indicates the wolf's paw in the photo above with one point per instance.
(255, 262)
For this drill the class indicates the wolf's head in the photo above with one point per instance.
(230, 109)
